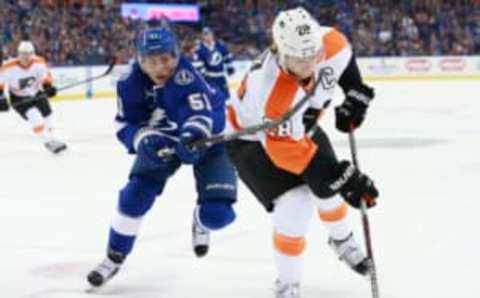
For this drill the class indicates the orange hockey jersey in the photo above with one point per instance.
(267, 92)
(24, 81)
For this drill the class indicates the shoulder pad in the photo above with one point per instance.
(334, 42)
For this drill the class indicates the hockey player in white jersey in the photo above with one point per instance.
(293, 170)
(30, 84)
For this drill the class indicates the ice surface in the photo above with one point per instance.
(420, 143)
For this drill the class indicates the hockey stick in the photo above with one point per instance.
(259, 127)
(365, 223)
(225, 137)
(91, 79)
(75, 84)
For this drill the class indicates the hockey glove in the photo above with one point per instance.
(192, 131)
(147, 142)
(354, 186)
(3, 103)
(351, 113)
(39, 96)
(310, 118)
(49, 90)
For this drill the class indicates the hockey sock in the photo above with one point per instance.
(49, 123)
(38, 124)
(333, 212)
(289, 257)
(123, 233)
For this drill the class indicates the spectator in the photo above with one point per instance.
(77, 32)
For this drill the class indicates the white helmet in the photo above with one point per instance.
(26, 47)
(296, 33)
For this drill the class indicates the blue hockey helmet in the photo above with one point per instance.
(157, 41)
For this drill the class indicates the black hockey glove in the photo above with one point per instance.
(40, 95)
(354, 186)
(3, 102)
(310, 118)
(351, 113)
(49, 90)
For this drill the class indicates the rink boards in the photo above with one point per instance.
(373, 69)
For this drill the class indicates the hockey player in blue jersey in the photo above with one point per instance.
(213, 59)
(163, 105)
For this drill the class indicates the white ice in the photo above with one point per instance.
(420, 143)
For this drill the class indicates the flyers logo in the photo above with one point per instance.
(303, 30)
(26, 82)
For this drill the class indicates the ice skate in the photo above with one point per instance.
(55, 146)
(287, 290)
(200, 237)
(105, 270)
(349, 251)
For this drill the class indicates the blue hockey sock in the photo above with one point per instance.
(120, 243)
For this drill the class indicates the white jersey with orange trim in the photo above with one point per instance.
(268, 92)
(25, 81)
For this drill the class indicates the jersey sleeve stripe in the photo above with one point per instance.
(16, 62)
(334, 42)
(9, 64)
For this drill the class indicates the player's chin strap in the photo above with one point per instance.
(365, 222)
(249, 130)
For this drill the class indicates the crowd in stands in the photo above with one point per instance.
(86, 31)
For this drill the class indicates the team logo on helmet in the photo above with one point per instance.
(184, 77)
(303, 29)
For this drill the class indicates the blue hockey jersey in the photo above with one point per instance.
(183, 97)
(212, 62)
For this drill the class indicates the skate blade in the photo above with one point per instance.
(92, 289)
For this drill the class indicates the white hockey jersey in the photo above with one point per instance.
(267, 92)
(24, 81)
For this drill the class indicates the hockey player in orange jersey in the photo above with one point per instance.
(29, 83)
(293, 170)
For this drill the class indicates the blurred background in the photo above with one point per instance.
(76, 32)
(421, 142)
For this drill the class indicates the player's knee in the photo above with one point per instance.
(216, 214)
(137, 196)
(288, 245)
